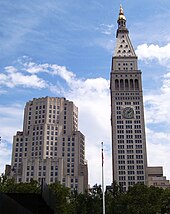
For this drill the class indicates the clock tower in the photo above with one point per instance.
(129, 158)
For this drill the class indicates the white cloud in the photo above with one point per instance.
(105, 43)
(159, 149)
(157, 103)
(154, 52)
(15, 78)
(2, 91)
(34, 68)
(61, 71)
(106, 29)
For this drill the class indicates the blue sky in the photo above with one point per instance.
(64, 48)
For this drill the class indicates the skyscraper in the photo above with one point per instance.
(50, 147)
(127, 112)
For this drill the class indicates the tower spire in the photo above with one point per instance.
(121, 19)
(124, 47)
(121, 13)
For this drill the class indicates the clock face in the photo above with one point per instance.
(128, 113)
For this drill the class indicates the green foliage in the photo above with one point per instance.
(8, 185)
(139, 199)
(63, 197)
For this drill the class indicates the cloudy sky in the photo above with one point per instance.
(64, 48)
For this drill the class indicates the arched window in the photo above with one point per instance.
(116, 84)
(121, 85)
(131, 85)
(136, 84)
(126, 84)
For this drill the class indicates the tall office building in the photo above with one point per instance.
(50, 147)
(127, 112)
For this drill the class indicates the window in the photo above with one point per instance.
(121, 167)
(121, 162)
(128, 131)
(128, 126)
(130, 162)
(138, 136)
(120, 131)
(122, 173)
(120, 146)
(129, 141)
(138, 151)
(139, 166)
(129, 146)
(121, 156)
(122, 178)
(120, 136)
(129, 136)
(140, 172)
(139, 161)
(139, 156)
(130, 167)
(130, 156)
(131, 172)
(140, 177)
(121, 151)
(130, 151)
(131, 178)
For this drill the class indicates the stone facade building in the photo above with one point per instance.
(50, 147)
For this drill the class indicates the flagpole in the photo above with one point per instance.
(103, 181)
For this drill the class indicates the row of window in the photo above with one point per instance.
(128, 121)
(130, 156)
(130, 147)
(127, 98)
(130, 167)
(130, 151)
(128, 103)
(120, 117)
(131, 178)
(129, 141)
(123, 162)
(120, 131)
(129, 136)
(131, 172)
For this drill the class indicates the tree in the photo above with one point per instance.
(8, 185)
(63, 197)
(112, 198)
(141, 199)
